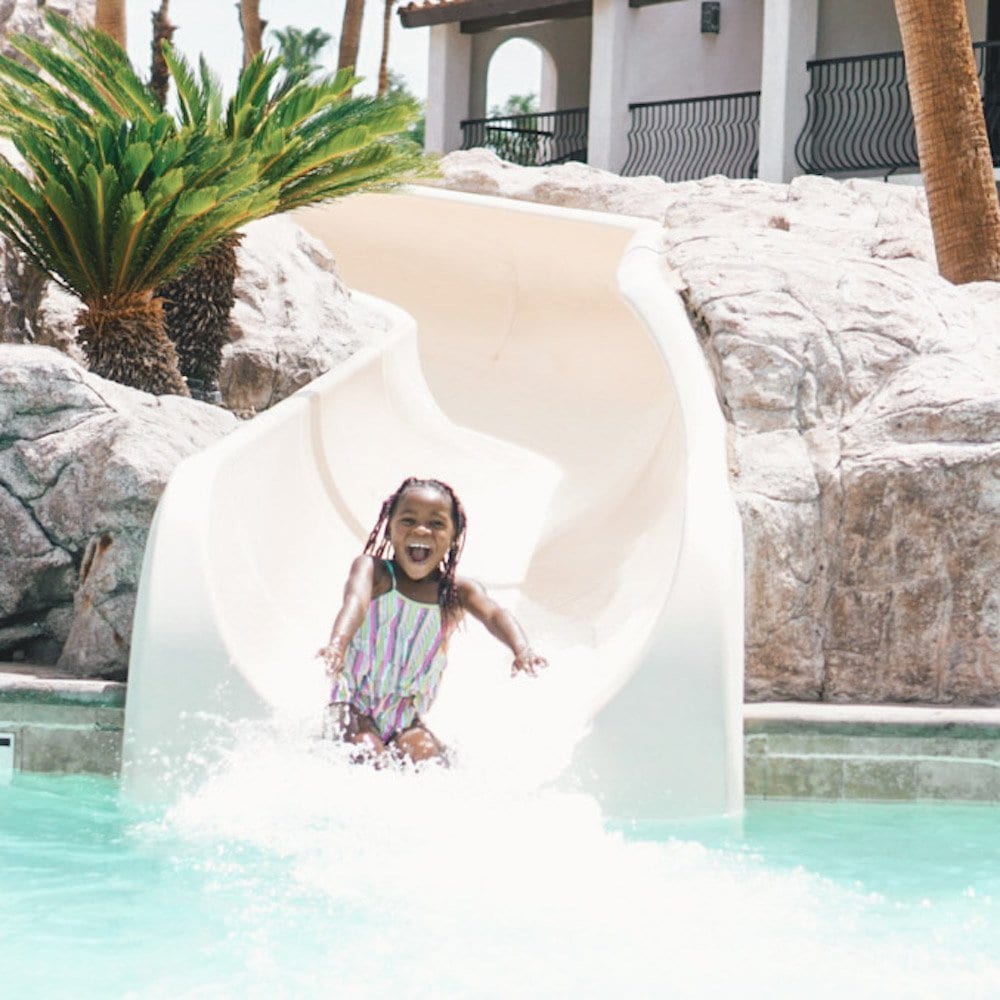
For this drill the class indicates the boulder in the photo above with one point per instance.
(83, 462)
(27, 17)
(861, 392)
(293, 318)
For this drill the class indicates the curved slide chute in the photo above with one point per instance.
(541, 361)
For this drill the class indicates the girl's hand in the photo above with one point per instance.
(528, 662)
(333, 659)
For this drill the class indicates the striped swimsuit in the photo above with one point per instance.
(393, 665)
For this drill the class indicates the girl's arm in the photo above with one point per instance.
(502, 624)
(357, 596)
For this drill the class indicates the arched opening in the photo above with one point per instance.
(520, 79)
(524, 121)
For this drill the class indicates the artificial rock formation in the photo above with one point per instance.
(293, 318)
(861, 392)
(27, 17)
(83, 462)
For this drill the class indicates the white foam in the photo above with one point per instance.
(476, 882)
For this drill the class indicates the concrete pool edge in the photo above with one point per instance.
(60, 724)
(793, 750)
(900, 753)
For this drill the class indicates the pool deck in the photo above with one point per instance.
(793, 750)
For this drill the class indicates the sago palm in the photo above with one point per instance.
(305, 143)
(313, 142)
(113, 208)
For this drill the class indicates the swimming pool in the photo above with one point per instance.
(288, 873)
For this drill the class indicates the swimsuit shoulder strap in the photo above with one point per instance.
(392, 572)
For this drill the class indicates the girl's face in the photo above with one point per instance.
(421, 531)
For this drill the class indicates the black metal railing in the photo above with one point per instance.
(695, 137)
(533, 140)
(859, 115)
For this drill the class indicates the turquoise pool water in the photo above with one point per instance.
(294, 875)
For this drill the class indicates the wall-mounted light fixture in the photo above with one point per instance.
(710, 18)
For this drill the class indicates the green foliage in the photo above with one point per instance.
(313, 141)
(399, 91)
(299, 51)
(123, 195)
(518, 141)
(516, 104)
(111, 211)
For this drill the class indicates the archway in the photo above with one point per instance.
(521, 78)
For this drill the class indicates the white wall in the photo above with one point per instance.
(447, 88)
(567, 43)
(672, 58)
(859, 27)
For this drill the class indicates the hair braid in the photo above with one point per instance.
(378, 543)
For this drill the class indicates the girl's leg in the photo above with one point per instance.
(349, 725)
(417, 743)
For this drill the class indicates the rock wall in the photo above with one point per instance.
(83, 462)
(862, 393)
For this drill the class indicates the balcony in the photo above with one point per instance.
(695, 137)
(533, 140)
(859, 120)
(859, 115)
(677, 140)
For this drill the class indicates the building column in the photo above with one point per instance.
(449, 72)
(607, 140)
(790, 29)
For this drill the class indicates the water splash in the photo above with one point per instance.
(479, 882)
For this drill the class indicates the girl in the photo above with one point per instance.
(388, 644)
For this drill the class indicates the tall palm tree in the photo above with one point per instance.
(350, 34)
(253, 28)
(954, 149)
(163, 31)
(109, 17)
(122, 196)
(383, 65)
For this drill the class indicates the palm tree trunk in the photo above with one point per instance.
(253, 29)
(123, 340)
(350, 34)
(196, 308)
(163, 31)
(109, 17)
(954, 150)
(383, 66)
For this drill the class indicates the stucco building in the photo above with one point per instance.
(684, 88)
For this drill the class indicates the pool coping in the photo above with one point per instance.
(792, 750)
(789, 715)
(795, 750)
(47, 685)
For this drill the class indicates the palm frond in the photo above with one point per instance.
(107, 59)
(123, 195)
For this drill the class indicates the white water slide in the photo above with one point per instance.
(541, 361)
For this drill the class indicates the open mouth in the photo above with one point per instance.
(418, 553)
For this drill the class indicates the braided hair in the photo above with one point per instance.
(378, 543)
